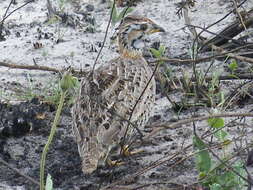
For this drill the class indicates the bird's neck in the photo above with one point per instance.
(131, 54)
(131, 47)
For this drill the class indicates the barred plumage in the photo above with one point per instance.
(108, 96)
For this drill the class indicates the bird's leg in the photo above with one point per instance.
(109, 162)
(113, 163)
(125, 151)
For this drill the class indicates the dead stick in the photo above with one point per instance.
(29, 67)
(232, 55)
(201, 118)
(165, 59)
(229, 32)
(20, 173)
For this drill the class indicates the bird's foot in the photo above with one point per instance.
(126, 152)
(113, 163)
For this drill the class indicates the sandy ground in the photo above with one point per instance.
(78, 48)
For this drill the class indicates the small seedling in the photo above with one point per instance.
(214, 173)
(158, 53)
(67, 84)
(218, 124)
(49, 182)
(233, 65)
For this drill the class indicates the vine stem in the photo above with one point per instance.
(50, 138)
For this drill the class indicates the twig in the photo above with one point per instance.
(239, 14)
(165, 59)
(186, 121)
(137, 101)
(199, 60)
(221, 35)
(20, 173)
(230, 12)
(228, 33)
(174, 80)
(236, 92)
(29, 67)
(166, 160)
(6, 16)
(187, 21)
(106, 33)
(232, 55)
(6, 11)
(2, 22)
(138, 187)
(229, 167)
(154, 165)
(216, 22)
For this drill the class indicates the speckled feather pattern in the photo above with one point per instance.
(114, 88)
(107, 98)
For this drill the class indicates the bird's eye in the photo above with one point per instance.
(144, 27)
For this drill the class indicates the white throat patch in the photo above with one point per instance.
(138, 44)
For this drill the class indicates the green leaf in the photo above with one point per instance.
(68, 82)
(155, 52)
(114, 14)
(203, 160)
(216, 122)
(239, 167)
(117, 17)
(220, 135)
(234, 76)
(215, 186)
(162, 50)
(49, 182)
(158, 53)
(233, 65)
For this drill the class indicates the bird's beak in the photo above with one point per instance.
(156, 28)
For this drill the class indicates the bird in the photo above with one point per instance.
(105, 101)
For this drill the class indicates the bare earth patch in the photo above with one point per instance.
(25, 121)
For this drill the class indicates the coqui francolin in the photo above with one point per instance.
(109, 94)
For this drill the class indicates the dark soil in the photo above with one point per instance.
(165, 163)
(24, 131)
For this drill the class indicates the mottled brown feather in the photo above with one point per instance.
(108, 96)
(115, 89)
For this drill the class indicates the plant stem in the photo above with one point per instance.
(49, 141)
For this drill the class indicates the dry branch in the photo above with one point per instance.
(186, 121)
(28, 67)
(232, 55)
(230, 31)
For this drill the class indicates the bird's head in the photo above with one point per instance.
(131, 34)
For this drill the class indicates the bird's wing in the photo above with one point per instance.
(106, 100)
(89, 114)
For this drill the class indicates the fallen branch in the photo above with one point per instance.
(222, 54)
(232, 55)
(29, 67)
(229, 32)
